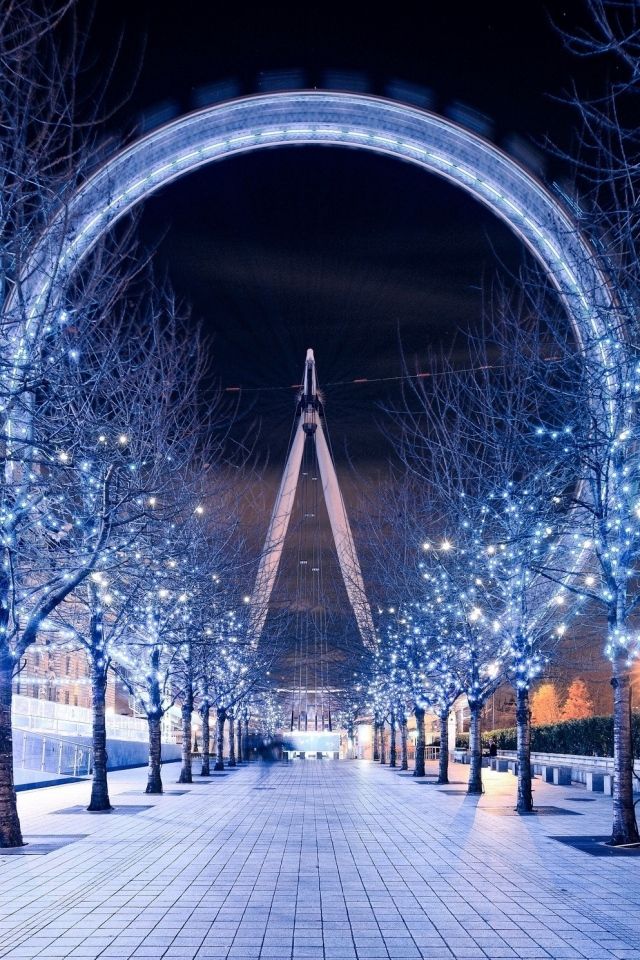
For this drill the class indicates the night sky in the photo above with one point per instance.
(350, 253)
(346, 252)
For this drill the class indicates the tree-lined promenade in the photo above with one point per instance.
(514, 492)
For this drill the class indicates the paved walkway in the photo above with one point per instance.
(338, 860)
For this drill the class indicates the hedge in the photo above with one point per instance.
(592, 736)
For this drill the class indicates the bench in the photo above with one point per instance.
(513, 767)
(463, 756)
(592, 772)
(599, 781)
(552, 773)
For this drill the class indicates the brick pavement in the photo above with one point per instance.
(335, 860)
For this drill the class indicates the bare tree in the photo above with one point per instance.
(520, 488)
(188, 572)
(48, 144)
(145, 663)
(129, 393)
(491, 515)
(238, 667)
(351, 705)
(605, 160)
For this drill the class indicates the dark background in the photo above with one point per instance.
(346, 252)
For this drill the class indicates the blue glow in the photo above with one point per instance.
(337, 119)
(436, 144)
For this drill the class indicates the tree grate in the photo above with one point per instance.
(536, 812)
(598, 846)
(141, 793)
(125, 810)
(452, 783)
(37, 845)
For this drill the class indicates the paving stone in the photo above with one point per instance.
(339, 861)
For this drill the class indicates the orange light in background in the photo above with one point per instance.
(635, 685)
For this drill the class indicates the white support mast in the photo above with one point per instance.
(309, 425)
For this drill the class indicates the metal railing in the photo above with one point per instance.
(53, 755)
(58, 719)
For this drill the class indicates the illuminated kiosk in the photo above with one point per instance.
(312, 744)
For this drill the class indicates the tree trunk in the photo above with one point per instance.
(376, 740)
(475, 749)
(392, 740)
(625, 827)
(232, 740)
(99, 786)
(206, 741)
(221, 716)
(443, 762)
(239, 739)
(351, 743)
(245, 749)
(154, 779)
(383, 745)
(187, 710)
(524, 802)
(418, 770)
(404, 762)
(154, 718)
(10, 832)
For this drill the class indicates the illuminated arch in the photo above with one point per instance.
(362, 122)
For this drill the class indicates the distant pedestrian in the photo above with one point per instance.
(493, 747)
